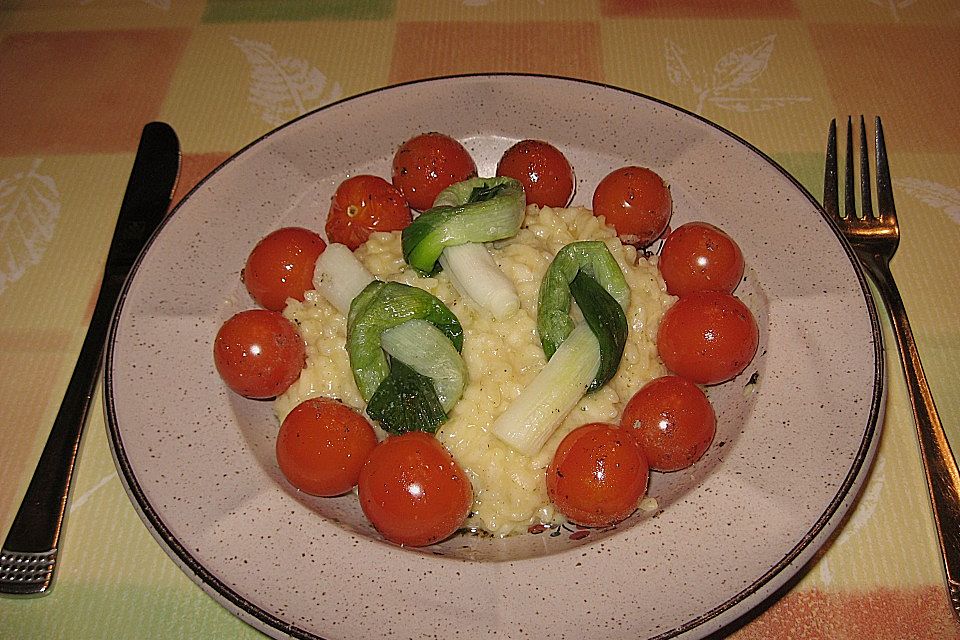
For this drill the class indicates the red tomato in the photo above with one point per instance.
(364, 204)
(322, 445)
(281, 266)
(258, 353)
(698, 256)
(707, 337)
(542, 169)
(597, 475)
(427, 164)
(413, 491)
(636, 202)
(673, 421)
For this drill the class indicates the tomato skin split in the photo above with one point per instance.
(598, 475)
(413, 491)
(363, 204)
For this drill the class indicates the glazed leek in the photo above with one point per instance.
(340, 277)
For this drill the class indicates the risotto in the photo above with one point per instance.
(502, 357)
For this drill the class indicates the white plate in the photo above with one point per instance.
(791, 452)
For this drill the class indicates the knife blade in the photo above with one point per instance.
(28, 559)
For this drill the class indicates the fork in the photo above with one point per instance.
(874, 239)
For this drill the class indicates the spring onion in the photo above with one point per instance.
(592, 257)
(475, 274)
(406, 401)
(340, 277)
(540, 408)
(453, 222)
(428, 351)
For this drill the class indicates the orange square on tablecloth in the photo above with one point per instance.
(424, 50)
(725, 9)
(83, 91)
(916, 69)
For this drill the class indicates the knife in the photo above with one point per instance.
(28, 559)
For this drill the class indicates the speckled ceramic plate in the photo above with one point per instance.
(796, 432)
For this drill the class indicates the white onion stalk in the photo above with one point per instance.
(425, 349)
(540, 408)
(476, 276)
(339, 276)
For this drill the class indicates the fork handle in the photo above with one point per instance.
(940, 467)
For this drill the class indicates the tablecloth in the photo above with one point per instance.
(79, 79)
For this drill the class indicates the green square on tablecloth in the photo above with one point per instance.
(256, 10)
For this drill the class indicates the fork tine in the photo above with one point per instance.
(849, 197)
(885, 206)
(866, 205)
(830, 197)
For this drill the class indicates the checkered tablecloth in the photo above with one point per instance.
(79, 79)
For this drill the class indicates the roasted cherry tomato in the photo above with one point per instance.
(281, 266)
(427, 164)
(413, 491)
(322, 445)
(698, 256)
(542, 169)
(673, 421)
(636, 202)
(364, 204)
(597, 475)
(258, 353)
(707, 337)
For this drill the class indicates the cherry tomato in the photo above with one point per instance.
(636, 202)
(413, 491)
(427, 164)
(281, 266)
(707, 337)
(698, 256)
(542, 169)
(364, 204)
(597, 475)
(673, 421)
(258, 353)
(322, 445)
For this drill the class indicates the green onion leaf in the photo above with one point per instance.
(606, 320)
(406, 401)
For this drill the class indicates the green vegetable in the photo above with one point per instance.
(406, 401)
(540, 408)
(425, 349)
(340, 277)
(475, 210)
(607, 322)
(384, 305)
(474, 273)
(591, 257)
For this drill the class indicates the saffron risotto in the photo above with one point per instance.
(502, 357)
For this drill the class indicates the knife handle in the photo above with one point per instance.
(29, 555)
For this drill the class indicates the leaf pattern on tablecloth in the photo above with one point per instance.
(728, 86)
(893, 6)
(934, 194)
(281, 87)
(29, 209)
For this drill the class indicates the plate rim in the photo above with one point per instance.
(267, 622)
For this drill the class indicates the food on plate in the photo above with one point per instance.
(598, 475)
(542, 169)
(258, 353)
(413, 491)
(698, 256)
(672, 420)
(322, 445)
(708, 337)
(502, 357)
(363, 204)
(490, 364)
(427, 164)
(281, 266)
(636, 202)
